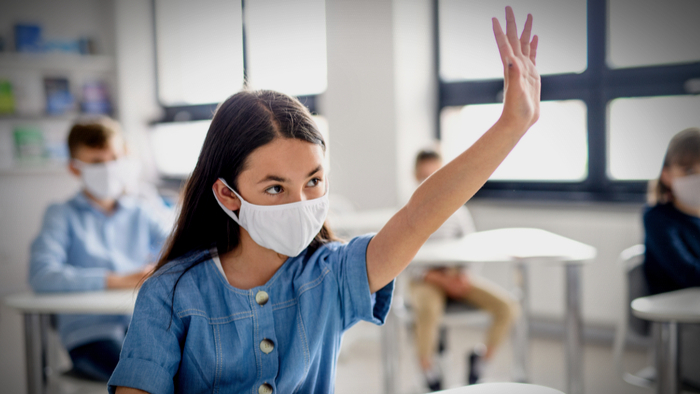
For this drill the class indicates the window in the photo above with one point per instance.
(207, 50)
(651, 32)
(286, 45)
(199, 50)
(553, 150)
(467, 46)
(640, 130)
(618, 79)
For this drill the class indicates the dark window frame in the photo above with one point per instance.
(597, 86)
(193, 112)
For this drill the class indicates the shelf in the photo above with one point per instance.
(56, 62)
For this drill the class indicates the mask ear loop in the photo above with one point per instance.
(228, 211)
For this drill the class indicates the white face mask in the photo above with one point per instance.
(287, 228)
(105, 180)
(686, 190)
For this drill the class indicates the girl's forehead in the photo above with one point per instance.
(285, 155)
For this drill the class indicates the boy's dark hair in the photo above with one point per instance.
(425, 155)
(94, 133)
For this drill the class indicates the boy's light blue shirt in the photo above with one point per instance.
(212, 337)
(79, 245)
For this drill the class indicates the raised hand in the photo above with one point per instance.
(522, 81)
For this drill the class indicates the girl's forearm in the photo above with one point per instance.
(436, 199)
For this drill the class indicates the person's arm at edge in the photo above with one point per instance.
(129, 390)
(393, 248)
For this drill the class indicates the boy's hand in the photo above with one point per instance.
(130, 281)
(521, 101)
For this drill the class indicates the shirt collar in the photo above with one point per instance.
(83, 201)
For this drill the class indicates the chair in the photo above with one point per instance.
(457, 314)
(630, 328)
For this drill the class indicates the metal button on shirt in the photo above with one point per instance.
(261, 297)
(265, 389)
(267, 346)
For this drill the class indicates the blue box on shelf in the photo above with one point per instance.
(28, 38)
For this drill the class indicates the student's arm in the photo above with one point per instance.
(48, 266)
(450, 187)
(664, 240)
(129, 390)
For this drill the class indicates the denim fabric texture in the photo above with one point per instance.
(79, 244)
(219, 339)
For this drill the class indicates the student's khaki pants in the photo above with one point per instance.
(429, 300)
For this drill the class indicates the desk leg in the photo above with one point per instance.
(574, 330)
(35, 326)
(521, 331)
(390, 354)
(667, 356)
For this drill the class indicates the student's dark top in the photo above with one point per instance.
(672, 240)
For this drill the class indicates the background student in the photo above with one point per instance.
(251, 293)
(432, 288)
(100, 239)
(672, 235)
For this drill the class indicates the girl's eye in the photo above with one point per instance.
(277, 189)
(313, 182)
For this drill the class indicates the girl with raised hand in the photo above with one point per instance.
(252, 293)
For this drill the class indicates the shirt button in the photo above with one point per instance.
(261, 298)
(265, 389)
(267, 346)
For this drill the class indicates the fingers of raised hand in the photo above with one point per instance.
(533, 48)
(525, 36)
(512, 31)
(504, 47)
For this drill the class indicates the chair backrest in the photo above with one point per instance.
(632, 260)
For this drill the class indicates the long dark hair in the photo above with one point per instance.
(244, 122)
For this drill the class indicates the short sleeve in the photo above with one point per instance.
(349, 263)
(151, 352)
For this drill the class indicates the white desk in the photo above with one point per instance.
(520, 247)
(502, 388)
(37, 308)
(666, 310)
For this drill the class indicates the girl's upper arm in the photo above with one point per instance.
(151, 353)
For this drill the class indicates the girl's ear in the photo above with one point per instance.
(226, 196)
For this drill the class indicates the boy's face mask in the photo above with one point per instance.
(287, 228)
(106, 180)
(686, 190)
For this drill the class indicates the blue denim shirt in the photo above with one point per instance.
(284, 335)
(78, 245)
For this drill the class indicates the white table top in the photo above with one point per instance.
(681, 306)
(97, 302)
(506, 245)
(502, 388)
(361, 222)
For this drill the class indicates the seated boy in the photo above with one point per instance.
(100, 239)
(431, 289)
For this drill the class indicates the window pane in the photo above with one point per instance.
(649, 32)
(286, 45)
(200, 50)
(176, 146)
(554, 149)
(639, 132)
(468, 49)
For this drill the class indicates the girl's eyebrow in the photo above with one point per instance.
(277, 178)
